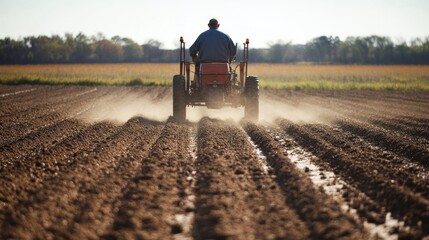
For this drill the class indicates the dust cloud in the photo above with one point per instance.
(120, 107)
(194, 114)
(157, 105)
(271, 109)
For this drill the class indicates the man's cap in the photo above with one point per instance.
(213, 22)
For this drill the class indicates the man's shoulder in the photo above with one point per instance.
(219, 33)
(213, 34)
(205, 33)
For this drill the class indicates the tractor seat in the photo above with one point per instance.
(214, 68)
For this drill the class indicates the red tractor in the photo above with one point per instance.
(215, 85)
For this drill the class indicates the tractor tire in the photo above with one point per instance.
(179, 98)
(251, 92)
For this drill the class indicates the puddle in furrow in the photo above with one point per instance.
(185, 220)
(18, 92)
(261, 158)
(333, 186)
(82, 111)
(86, 92)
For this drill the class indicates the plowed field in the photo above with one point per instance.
(82, 162)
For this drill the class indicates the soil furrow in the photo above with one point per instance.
(16, 92)
(406, 172)
(38, 140)
(339, 164)
(413, 122)
(384, 139)
(412, 131)
(359, 109)
(57, 113)
(21, 178)
(323, 216)
(30, 107)
(234, 197)
(20, 129)
(377, 222)
(385, 102)
(405, 205)
(13, 89)
(56, 202)
(156, 195)
(99, 203)
(25, 101)
(26, 121)
(23, 95)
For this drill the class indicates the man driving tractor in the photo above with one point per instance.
(215, 83)
(213, 46)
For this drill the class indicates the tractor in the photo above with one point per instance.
(215, 85)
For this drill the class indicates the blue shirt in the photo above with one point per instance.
(213, 46)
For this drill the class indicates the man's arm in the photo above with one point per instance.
(232, 50)
(193, 50)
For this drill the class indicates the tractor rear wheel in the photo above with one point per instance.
(179, 98)
(251, 91)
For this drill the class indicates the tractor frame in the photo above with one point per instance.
(215, 85)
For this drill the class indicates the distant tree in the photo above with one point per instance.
(81, 49)
(379, 49)
(152, 51)
(49, 49)
(257, 55)
(420, 50)
(345, 52)
(107, 51)
(323, 48)
(132, 52)
(335, 43)
(360, 50)
(278, 52)
(402, 54)
(13, 51)
(84, 51)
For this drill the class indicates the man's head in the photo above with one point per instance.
(213, 23)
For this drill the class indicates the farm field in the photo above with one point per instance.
(315, 77)
(108, 162)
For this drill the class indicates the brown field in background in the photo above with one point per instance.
(270, 75)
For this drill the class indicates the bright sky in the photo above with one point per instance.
(262, 21)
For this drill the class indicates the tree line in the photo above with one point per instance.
(98, 49)
(353, 50)
(80, 49)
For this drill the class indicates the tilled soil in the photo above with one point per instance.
(319, 165)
